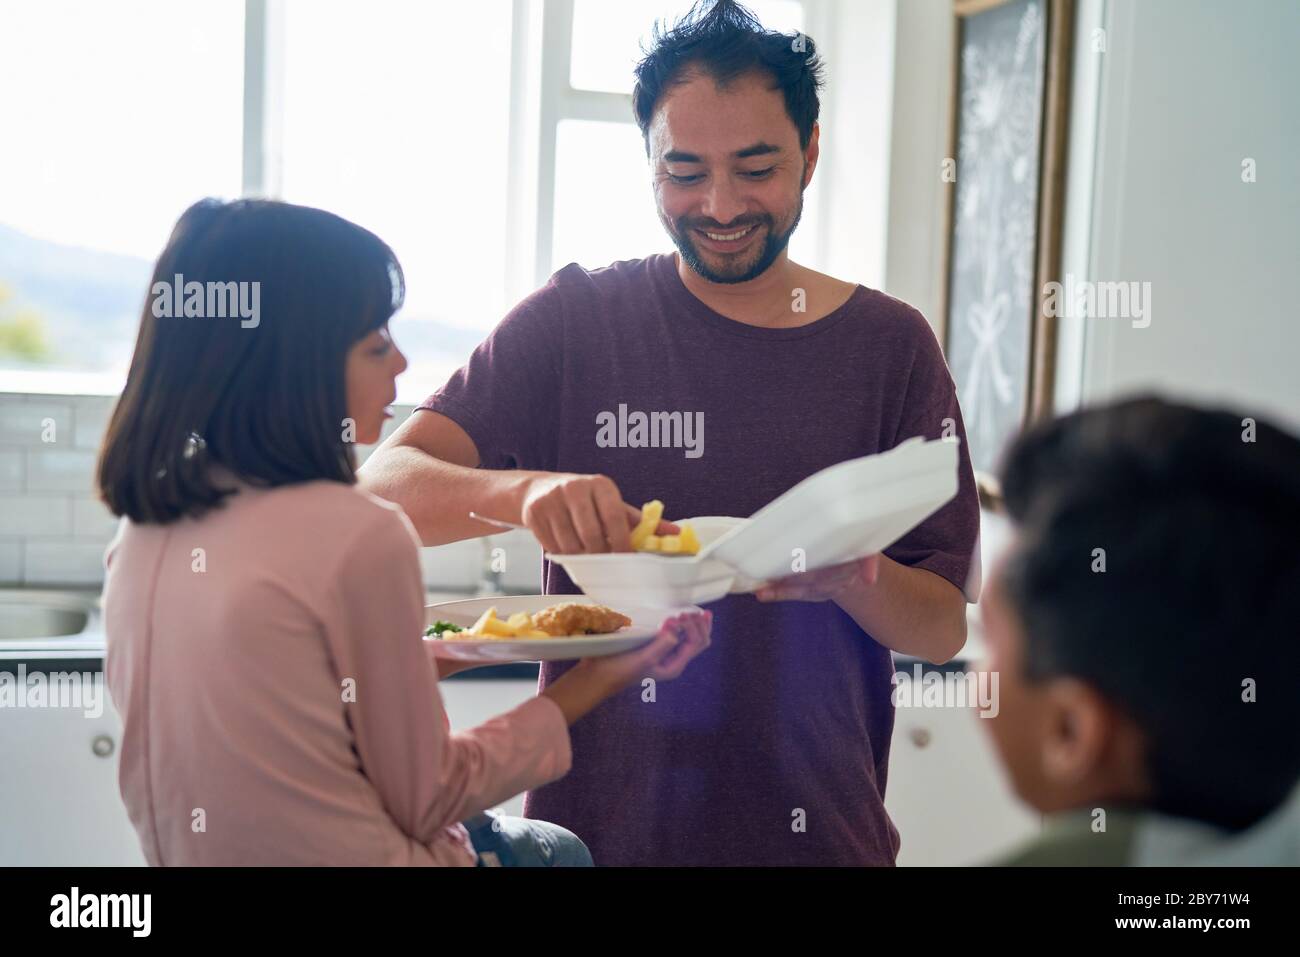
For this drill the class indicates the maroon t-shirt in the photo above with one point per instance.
(772, 747)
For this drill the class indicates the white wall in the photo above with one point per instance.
(1160, 124)
(851, 184)
(1189, 88)
(918, 145)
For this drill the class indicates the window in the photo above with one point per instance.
(608, 37)
(396, 115)
(114, 119)
(598, 149)
(606, 160)
(487, 143)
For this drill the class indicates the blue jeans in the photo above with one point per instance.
(503, 841)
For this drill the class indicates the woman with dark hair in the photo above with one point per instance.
(263, 614)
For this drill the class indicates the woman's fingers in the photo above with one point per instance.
(692, 631)
(649, 656)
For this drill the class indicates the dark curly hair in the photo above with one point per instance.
(1199, 519)
(726, 41)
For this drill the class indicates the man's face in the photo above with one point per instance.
(729, 174)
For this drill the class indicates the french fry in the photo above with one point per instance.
(498, 629)
(651, 513)
(644, 538)
(490, 626)
(478, 628)
(690, 543)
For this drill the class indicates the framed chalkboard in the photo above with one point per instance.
(1006, 160)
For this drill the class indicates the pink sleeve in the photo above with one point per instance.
(426, 777)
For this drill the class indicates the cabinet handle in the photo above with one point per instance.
(920, 737)
(102, 745)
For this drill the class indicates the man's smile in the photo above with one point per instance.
(727, 241)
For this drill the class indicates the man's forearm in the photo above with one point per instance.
(909, 610)
(438, 496)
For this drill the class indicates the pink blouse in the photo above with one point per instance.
(278, 700)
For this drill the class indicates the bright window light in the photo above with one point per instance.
(115, 118)
(396, 116)
(608, 37)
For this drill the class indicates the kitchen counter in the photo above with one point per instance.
(85, 650)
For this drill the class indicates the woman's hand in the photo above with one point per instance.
(592, 680)
(680, 638)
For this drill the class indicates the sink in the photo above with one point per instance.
(33, 615)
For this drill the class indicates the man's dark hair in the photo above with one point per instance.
(267, 402)
(1198, 513)
(726, 41)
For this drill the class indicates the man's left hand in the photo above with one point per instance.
(825, 584)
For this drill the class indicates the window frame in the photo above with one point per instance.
(541, 97)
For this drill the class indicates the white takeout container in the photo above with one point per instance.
(645, 578)
(842, 513)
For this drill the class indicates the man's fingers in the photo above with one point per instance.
(612, 511)
(579, 501)
(541, 530)
(565, 535)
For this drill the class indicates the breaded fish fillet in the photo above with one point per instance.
(573, 618)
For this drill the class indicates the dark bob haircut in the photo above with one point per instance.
(727, 42)
(264, 397)
(1198, 513)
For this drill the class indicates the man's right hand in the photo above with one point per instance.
(578, 514)
(429, 466)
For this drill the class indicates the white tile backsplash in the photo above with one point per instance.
(53, 530)
(35, 516)
(11, 562)
(51, 469)
(92, 519)
(33, 420)
(63, 563)
(522, 558)
(11, 470)
(92, 420)
(455, 566)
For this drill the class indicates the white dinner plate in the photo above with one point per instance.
(645, 625)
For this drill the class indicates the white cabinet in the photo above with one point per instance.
(58, 788)
(947, 793)
(59, 795)
(470, 703)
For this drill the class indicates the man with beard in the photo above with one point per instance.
(773, 749)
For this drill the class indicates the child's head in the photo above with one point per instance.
(263, 347)
(1144, 619)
